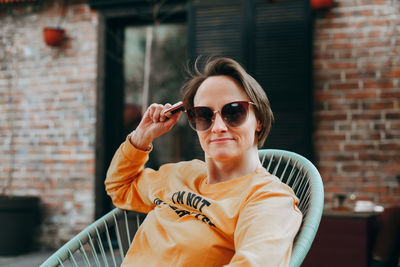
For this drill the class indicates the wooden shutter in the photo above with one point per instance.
(272, 39)
(216, 28)
(282, 65)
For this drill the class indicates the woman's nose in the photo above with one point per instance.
(219, 124)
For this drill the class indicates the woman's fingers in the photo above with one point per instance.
(162, 113)
(156, 112)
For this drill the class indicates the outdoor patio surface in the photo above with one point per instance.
(32, 259)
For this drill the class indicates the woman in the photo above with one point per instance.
(225, 211)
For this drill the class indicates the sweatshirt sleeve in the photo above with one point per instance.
(266, 228)
(123, 183)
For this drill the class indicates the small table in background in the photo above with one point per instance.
(344, 238)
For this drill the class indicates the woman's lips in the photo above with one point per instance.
(221, 140)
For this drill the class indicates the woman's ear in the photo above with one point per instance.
(259, 127)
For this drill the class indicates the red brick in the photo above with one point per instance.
(393, 168)
(344, 86)
(374, 156)
(360, 74)
(395, 73)
(390, 94)
(389, 146)
(341, 65)
(321, 75)
(379, 126)
(339, 157)
(343, 106)
(358, 147)
(333, 189)
(393, 115)
(373, 44)
(343, 127)
(376, 115)
(334, 116)
(378, 84)
(361, 94)
(395, 125)
(374, 189)
(357, 167)
(388, 105)
(344, 54)
(330, 136)
(326, 96)
(389, 200)
(365, 136)
(334, 25)
(378, 22)
(324, 146)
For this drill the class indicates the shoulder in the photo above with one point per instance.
(186, 168)
(265, 185)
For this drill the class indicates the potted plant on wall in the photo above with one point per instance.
(321, 4)
(54, 36)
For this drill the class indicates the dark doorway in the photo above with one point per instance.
(272, 39)
(122, 47)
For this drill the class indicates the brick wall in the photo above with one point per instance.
(47, 107)
(357, 99)
(47, 114)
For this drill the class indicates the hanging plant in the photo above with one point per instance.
(321, 4)
(55, 35)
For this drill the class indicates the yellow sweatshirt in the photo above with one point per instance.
(248, 221)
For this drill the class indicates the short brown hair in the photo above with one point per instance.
(229, 67)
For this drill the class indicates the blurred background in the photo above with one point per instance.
(75, 77)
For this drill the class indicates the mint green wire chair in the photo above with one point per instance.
(96, 245)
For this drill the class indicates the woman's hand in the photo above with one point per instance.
(153, 124)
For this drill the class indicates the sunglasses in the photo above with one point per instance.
(234, 114)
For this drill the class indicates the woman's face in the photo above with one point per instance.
(222, 142)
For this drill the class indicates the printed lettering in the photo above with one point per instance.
(157, 201)
(192, 200)
(196, 201)
(189, 199)
(205, 203)
(179, 198)
(173, 195)
(182, 213)
(197, 215)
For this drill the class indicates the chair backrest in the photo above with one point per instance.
(116, 229)
(302, 176)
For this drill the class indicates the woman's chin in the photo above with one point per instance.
(222, 154)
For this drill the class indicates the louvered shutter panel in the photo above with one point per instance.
(272, 39)
(283, 67)
(217, 28)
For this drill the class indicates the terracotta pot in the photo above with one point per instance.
(321, 4)
(53, 36)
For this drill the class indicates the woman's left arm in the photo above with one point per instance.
(266, 228)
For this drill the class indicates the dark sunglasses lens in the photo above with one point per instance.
(200, 118)
(234, 113)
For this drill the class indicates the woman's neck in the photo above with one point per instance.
(222, 171)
